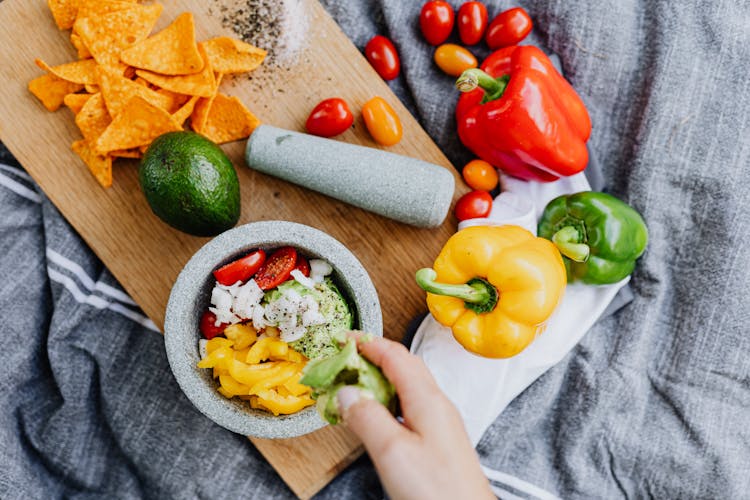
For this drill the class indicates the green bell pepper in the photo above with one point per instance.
(599, 236)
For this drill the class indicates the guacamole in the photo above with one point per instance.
(319, 339)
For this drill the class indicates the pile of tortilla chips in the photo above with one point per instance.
(128, 88)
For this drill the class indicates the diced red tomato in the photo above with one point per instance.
(277, 268)
(241, 269)
(208, 325)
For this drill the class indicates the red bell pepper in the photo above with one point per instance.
(519, 114)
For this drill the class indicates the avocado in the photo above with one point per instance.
(190, 184)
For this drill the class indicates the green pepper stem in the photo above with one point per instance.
(475, 77)
(568, 241)
(478, 294)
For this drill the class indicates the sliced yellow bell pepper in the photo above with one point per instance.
(262, 349)
(217, 357)
(243, 335)
(241, 354)
(278, 405)
(217, 342)
(284, 372)
(231, 386)
(495, 287)
(294, 387)
(252, 374)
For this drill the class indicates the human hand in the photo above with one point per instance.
(429, 456)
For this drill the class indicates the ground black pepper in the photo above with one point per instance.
(278, 26)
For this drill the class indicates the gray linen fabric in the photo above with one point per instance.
(652, 403)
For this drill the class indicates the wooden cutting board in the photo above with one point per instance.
(146, 255)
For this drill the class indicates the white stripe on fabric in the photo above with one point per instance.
(518, 484)
(19, 189)
(86, 280)
(98, 302)
(504, 494)
(18, 172)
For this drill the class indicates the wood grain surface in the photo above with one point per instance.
(146, 255)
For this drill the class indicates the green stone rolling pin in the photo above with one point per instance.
(405, 189)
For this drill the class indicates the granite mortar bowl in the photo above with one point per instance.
(190, 298)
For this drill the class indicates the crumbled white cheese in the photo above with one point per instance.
(246, 299)
(319, 269)
(302, 279)
(232, 304)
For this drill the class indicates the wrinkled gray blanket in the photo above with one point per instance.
(655, 400)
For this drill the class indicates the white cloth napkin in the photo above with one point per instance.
(481, 388)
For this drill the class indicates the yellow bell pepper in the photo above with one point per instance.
(232, 387)
(282, 405)
(295, 388)
(495, 287)
(217, 357)
(216, 343)
(285, 371)
(252, 374)
(242, 335)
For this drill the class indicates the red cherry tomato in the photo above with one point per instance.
(472, 21)
(208, 325)
(277, 268)
(474, 205)
(436, 21)
(383, 57)
(508, 28)
(330, 117)
(241, 269)
(303, 266)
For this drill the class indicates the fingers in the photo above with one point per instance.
(422, 402)
(371, 422)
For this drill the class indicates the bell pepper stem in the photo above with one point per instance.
(475, 77)
(478, 294)
(568, 241)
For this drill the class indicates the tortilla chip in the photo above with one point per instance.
(172, 51)
(200, 113)
(176, 100)
(118, 90)
(64, 12)
(185, 111)
(139, 123)
(51, 90)
(201, 84)
(76, 101)
(83, 51)
(77, 72)
(107, 35)
(228, 120)
(88, 8)
(228, 55)
(126, 153)
(93, 119)
(99, 165)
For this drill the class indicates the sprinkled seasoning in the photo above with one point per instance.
(278, 26)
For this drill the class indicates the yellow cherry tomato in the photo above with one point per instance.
(480, 175)
(454, 59)
(382, 121)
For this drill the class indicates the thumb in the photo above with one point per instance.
(369, 420)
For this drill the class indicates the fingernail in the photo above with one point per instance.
(346, 397)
